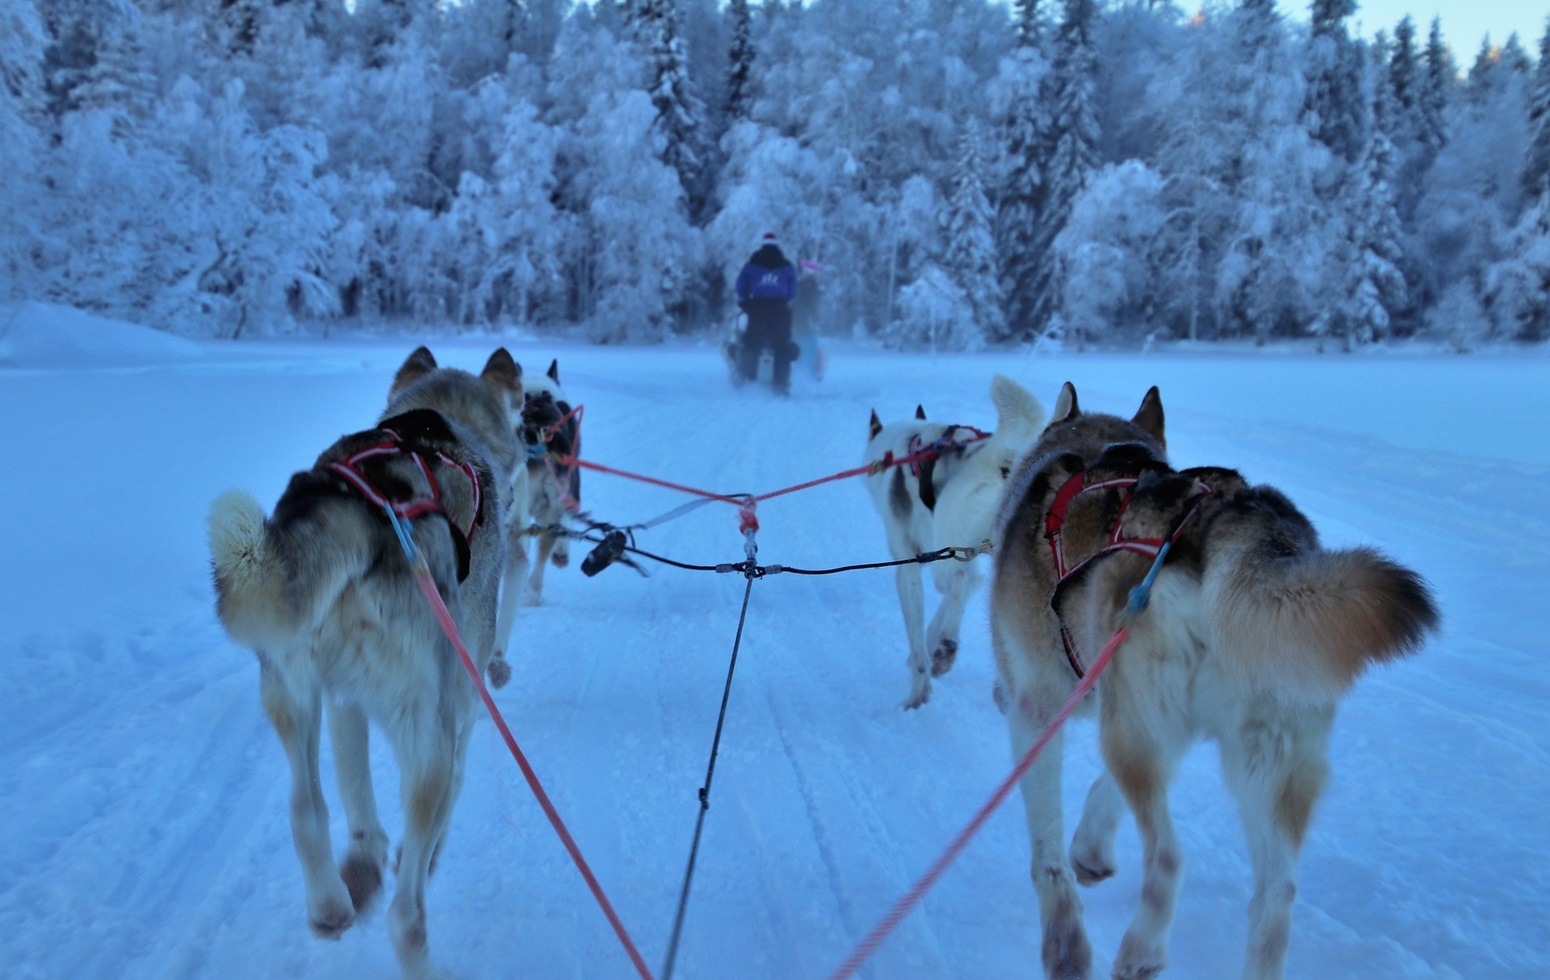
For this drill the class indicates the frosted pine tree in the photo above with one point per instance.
(1517, 291)
(680, 114)
(1404, 77)
(1026, 131)
(1437, 83)
(1378, 293)
(740, 74)
(1334, 71)
(1536, 161)
(1073, 149)
(21, 85)
(970, 258)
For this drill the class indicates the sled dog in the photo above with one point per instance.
(948, 500)
(551, 433)
(1253, 634)
(321, 591)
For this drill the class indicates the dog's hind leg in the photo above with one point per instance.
(1276, 770)
(1066, 952)
(297, 719)
(1092, 848)
(426, 746)
(912, 602)
(366, 857)
(1142, 762)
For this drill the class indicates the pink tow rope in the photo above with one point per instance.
(422, 575)
(903, 907)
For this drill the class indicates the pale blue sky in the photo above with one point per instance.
(1464, 22)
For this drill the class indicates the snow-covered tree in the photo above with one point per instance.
(740, 73)
(21, 192)
(1103, 248)
(1073, 153)
(1334, 72)
(1437, 84)
(1517, 289)
(1377, 294)
(680, 119)
(970, 259)
(1026, 128)
(1536, 161)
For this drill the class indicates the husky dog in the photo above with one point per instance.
(551, 434)
(1253, 633)
(322, 593)
(948, 500)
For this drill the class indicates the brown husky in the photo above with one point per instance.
(322, 593)
(1253, 634)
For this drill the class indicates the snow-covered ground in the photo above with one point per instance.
(143, 796)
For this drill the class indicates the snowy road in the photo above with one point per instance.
(144, 795)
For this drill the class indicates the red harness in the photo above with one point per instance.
(1055, 520)
(349, 469)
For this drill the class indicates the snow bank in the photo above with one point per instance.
(46, 335)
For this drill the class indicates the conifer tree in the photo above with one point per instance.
(971, 247)
(680, 114)
(1436, 85)
(1536, 160)
(1022, 193)
(1378, 293)
(1333, 103)
(1073, 153)
(740, 76)
(1404, 84)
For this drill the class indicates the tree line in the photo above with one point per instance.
(964, 173)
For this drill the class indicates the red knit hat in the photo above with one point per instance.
(769, 238)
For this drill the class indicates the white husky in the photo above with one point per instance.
(322, 593)
(946, 501)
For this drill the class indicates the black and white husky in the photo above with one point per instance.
(946, 500)
(1253, 633)
(321, 591)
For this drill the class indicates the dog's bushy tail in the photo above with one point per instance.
(1020, 416)
(1307, 624)
(265, 597)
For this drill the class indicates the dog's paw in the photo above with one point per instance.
(363, 877)
(943, 656)
(331, 917)
(531, 598)
(1139, 959)
(498, 671)
(1091, 868)
(559, 559)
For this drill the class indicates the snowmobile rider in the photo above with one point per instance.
(765, 289)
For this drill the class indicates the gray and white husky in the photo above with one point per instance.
(1253, 634)
(943, 502)
(552, 433)
(321, 591)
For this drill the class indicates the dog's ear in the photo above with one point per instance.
(1149, 417)
(875, 426)
(920, 412)
(416, 366)
(554, 370)
(1066, 407)
(504, 376)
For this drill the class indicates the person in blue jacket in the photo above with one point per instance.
(765, 289)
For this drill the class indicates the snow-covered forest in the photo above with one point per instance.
(966, 173)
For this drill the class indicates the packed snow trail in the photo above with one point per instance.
(145, 796)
